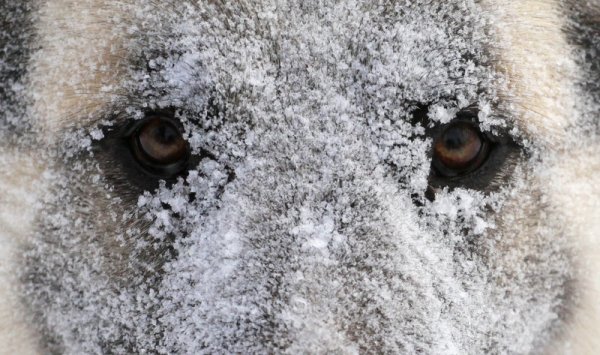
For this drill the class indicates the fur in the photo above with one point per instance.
(299, 245)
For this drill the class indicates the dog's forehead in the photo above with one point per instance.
(382, 56)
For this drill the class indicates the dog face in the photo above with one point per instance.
(206, 176)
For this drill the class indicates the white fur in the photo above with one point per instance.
(70, 76)
(56, 95)
(542, 73)
(574, 183)
(17, 213)
(533, 52)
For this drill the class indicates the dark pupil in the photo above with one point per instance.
(456, 138)
(161, 142)
(165, 134)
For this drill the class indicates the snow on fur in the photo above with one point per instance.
(303, 234)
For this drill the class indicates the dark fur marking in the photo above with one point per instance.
(16, 35)
(583, 31)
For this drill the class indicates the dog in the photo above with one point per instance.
(206, 176)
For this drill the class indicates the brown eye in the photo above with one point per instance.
(158, 145)
(460, 149)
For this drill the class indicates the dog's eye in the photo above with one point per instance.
(460, 149)
(158, 145)
(462, 156)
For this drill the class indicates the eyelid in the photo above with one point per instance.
(132, 126)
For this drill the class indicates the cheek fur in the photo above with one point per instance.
(574, 193)
(20, 186)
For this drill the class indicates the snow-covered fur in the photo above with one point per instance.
(309, 221)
